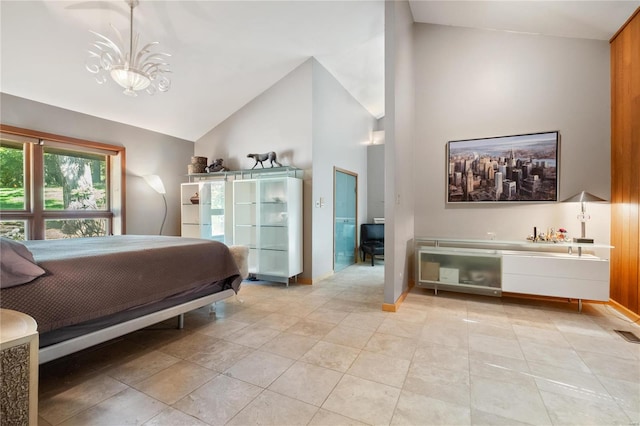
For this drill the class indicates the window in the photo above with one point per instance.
(57, 187)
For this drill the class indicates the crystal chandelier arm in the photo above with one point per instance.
(108, 43)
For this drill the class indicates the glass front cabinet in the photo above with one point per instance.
(267, 217)
(469, 271)
(203, 210)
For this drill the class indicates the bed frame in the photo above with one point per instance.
(58, 350)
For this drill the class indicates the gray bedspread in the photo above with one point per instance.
(89, 278)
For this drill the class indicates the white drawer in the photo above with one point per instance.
(572, 267)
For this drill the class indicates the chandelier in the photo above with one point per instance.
(133, 70)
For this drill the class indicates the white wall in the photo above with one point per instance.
(480, 83)
(341, 129)
(146, 153)
(276, 120)
(375, 182)
(399, 148)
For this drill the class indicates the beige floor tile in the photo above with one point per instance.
(221, 356)
(446, 333)
(253, 336)
(307, 382)
(612, 345)
(548, 354)
(289, 345)
(260, 368)
(577, 411)
(348, 336)
(401, 328)
(481, 418)
(186, 346)
(430, 380)
(271, 408)
(332, 316)
(222, 327)
(495, 345)
(626, 394)
(501, 368)
(140, 367)
(409, 314)
(309, 328)
(173, 417)
(445, 357)
(366, 321)
(217, 401)
(544, 336)
(173, 383)
(363, 400)
(392, 346)
(574, 384)
(612, 367)
(327, 418)
(61, 406)
(278, 321)
(330, 355)
(513, 401)
(416, 409)
(249, 315)
(126, 407)
(380, 368)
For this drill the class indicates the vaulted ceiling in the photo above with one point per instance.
(225, 53)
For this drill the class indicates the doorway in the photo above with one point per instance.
(345, 213)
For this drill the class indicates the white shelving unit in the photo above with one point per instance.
(492, 267)
(267, 217)
(259, 208)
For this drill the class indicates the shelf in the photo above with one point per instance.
(571, 248)
(288, 171)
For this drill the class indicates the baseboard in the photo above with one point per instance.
(624, 311)
(393, 307)
(311, 281)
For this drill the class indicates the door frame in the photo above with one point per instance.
(355, 246)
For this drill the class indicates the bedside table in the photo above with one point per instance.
(18, 368)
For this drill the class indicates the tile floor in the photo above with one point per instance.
(327, 355)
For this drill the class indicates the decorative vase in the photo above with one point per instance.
(195, 199)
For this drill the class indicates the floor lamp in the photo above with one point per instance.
(155, 182)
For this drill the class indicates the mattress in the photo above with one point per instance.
(91, 278)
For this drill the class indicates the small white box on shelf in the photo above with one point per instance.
(449, 275)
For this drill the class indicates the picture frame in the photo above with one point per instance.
(515, 168)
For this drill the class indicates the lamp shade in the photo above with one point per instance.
(583, 196)
(155, 182)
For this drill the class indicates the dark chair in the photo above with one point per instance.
(371, 240)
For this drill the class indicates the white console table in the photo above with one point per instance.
(568, 270)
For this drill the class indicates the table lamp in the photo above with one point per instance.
(583, 216)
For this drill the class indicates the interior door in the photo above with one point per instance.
(345, 210)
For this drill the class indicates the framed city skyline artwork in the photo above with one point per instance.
(518, 168)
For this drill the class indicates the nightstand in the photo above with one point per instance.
(18, 368)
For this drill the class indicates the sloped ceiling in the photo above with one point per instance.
(225, 53)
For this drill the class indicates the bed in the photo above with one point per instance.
(85, 291)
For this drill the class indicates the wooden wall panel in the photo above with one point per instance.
(625, 164)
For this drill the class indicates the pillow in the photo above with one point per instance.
(241, 256)
(16, 264)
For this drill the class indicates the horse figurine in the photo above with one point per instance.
(270, 156)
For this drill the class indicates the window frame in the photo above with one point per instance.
(34, 212)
